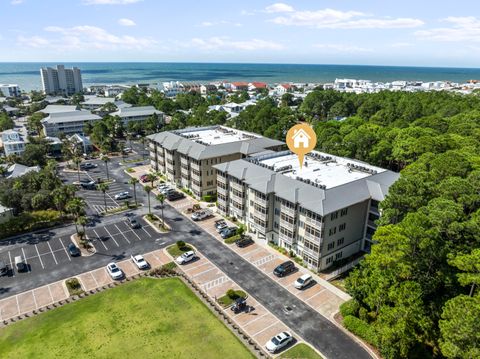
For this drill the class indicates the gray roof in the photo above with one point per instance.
(72, 116)
(17, 170)
(173, 141)
(318, 200)
(95, 100)
(136, 111)
(58, 108)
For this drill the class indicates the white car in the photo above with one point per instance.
(139, 261)
(278, 342)
(200, 215)
(122, 195)
(186, 257)
(114, 271)
(166, 190)
(162, 186)
(303, 281)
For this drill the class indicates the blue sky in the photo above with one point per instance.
(382, 32)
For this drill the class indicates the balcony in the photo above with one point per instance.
(310, 252)
(371, 224)
(287, 210)
(312, 238)
(222, 191)
(235, 195)
(286, 239)
(288, 225)
(222, 201)
(236, 185)
(260, 201)
(152, 154)
(152, 146)
(375, 211)
(195, 166)
(314, 223)
(195, 176)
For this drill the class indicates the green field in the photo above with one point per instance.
(147, 318)
(300, 351)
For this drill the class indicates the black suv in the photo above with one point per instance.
(284, 269)
(244, 241)
(3, 268)
(173, 196)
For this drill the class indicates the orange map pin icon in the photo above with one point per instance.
(301, 139)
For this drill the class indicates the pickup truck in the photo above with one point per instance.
(202, 214)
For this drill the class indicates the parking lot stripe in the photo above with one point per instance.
(50, 291)
(53, 254)
(111, 236)
(18, 305)
(11, 264)
(99, 239)
(34, 299)
(306, 300)
(135, 233)
(147, 232)
(39, 257)
(25, 258)
(123, 234)
(65, 249)
(257, 318)
(267, 327)
(205, 271)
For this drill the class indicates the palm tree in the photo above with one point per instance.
(148, 189)
(161, 199)
(81, 221)
(106, 159)
(76, 207)
(77, 160)
(104, 188)
(151, 178)
(133, 181)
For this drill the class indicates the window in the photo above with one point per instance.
(340, 241)
(329, 260)
(277, 212)
(342, 227)
(287, 218)
(343, 212)
(338, 256)
(332, 231)
(330, 246)
(334, 215)
(275, 225)
(209, 183)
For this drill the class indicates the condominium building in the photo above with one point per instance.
(61, 81)
(323, 211)
(9, 90)
(68, 123)
(12, 142)
(188, 156)
(139, 113)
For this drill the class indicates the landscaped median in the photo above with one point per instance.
(148, 318)
(156, 223)
(300, 351)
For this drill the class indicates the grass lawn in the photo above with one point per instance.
(225, 300)
(175, 252)
(147, 318)
(300, 351)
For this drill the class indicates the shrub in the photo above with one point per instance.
(30, 221)
(232, 239)
(291, 254)
(363, 314)
(360, 328)
(73, 283)
(180, 244)
(232, 294)
(350, 307)
(130, 170)
(209, 198)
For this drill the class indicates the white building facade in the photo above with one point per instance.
(61, 81)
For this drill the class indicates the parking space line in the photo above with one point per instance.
(137, 235)
(205, 271)
(34, 299)
(100, 240)
(111, 236)
(123, 234)
(53, 254)
(26, 263)
(65, 249)
(263, 329)
(306, 300)
(50, 291)
(11, 264)
(39, 257)
(257, 318)
(18, 305)
(147, 232)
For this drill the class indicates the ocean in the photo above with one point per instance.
(27, 75)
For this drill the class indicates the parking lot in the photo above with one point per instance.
(94, 198)
(257, 321)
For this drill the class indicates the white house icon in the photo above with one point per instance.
(300, 137)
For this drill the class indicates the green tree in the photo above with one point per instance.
(77, 160)
(34, 122)
(106, 159)
(161, 199)
(103, 187)
(148, 189)
(76, 207)
(6, 123)
(469, 263)
(133, 181)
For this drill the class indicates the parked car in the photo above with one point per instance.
(139, 261)
(20, 264)
(3, 268)
(284, 269)
(220, 225)
(90, 185)
(122, 195)
(144, 178)
(166, 190)
(201, 215)
(173, 196)
(134, 223)
(244, 242)
(73, 250)
(162, 186)
(186, 257)
(114, 271)
(127, 150)
(228, 232)
(278, 342)
(88, 166)
(303, 281)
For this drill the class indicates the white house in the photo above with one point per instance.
(9, 90)
(301, 139)
(5, 213)
(13, 142)
(172, 88)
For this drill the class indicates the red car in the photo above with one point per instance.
(144, 178)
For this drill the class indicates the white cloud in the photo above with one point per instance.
(224, 43)
(16, 2)
(461, 29)
(279, 7)
(337, 19)
(126, 22)
(207, 23)
(109, 2)
(86, 37)
(339, 48)
(221, 22)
